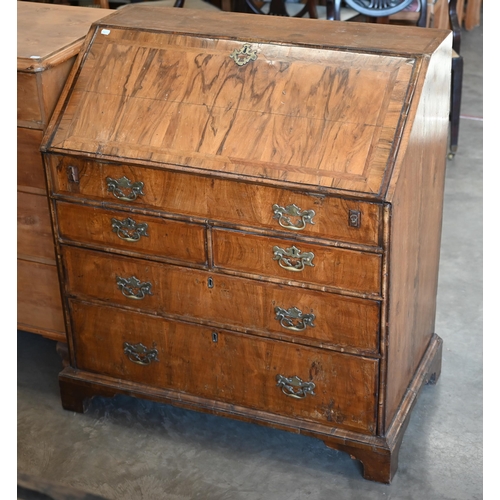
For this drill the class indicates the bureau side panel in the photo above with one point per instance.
(416, 196)
(52, 82)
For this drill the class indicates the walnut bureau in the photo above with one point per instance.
(247, 213)
(49, 38)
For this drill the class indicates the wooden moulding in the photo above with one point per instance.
(378, 455)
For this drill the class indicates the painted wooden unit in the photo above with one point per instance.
(248, 219)
(48, 40)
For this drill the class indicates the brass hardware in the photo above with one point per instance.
(283, 215)
(118, 186)
(286, 257)
(215, 337)
(354, 218)
(132, 288)
(140, 354)
(286, 319)
(73, 174)
(295, 387)
(210, 283)
(128, 229)
(244, 55)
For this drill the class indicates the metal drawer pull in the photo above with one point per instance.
(283, 216)
(140, 354)
(295, 387)
(117, 187)
(128, 229)
(286, 319)
(132, 288)
(286, 257)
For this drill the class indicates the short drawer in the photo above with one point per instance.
(347, 270)
(130, 232)
(334, 389)
(34, 229)
(220, 200)
(267, 309)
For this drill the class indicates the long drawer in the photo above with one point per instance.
(135, 233)
(30, 174)
(34, 230)
(269, 309)
(39, 305)
(222, 200)
(307, 383)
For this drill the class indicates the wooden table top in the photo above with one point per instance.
(50, 33)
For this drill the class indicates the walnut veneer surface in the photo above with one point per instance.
(48, 40)
(247, 214)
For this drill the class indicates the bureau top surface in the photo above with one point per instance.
(300, 101)
(49, 33)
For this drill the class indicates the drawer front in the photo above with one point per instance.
(39, 306)
(334, 389)
(221, 200)
(264, 308)
(34, 230)
(298, 260)
(28, 100)
(130, 232)
(29, 159)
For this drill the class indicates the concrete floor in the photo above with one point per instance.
(128, 449)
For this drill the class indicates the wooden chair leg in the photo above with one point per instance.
(457, 69)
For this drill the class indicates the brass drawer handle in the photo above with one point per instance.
(295, 387)
(128, 229)
(292, 259)
(132, 288)
(140, 354)
(119, 186)
(283, 215)
(287, 318)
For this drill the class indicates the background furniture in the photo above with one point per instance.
(48, 39)
(444, 16)
(248, 215)
(448, 18)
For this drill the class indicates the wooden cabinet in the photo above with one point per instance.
(248, 215)
(48, 39)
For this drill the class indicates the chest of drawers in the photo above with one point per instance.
(48, 39)
(248, 213)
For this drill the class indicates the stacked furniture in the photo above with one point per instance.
(247, 213)
(48, 40)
